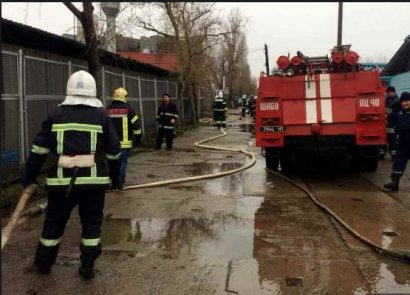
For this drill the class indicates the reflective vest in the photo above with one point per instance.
(76, 130)
(165, 113)
(126, 122)
(219, 105)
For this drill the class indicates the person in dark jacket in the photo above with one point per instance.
(166, 118)
(401, 119)
(128, 127)
(80, 134)
(219, 108)
(244, 105)
(392, 104)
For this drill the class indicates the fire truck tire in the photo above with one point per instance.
(285, 161)
(370, 165)
(272, 158)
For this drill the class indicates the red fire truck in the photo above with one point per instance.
(321, 104)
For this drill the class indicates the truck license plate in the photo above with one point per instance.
(273, 128)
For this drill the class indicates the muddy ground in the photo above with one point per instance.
(247, 233)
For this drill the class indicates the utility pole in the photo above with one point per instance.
(339, 24)
(267, 60)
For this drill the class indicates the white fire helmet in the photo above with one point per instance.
(220, 94)
(244, 96)
(81, 83)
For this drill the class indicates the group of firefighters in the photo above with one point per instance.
(220, 108)
(92, 146)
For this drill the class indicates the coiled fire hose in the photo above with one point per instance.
(201, 177)
(402, 256)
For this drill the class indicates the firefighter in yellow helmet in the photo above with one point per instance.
(128, 127)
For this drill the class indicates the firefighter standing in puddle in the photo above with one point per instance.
(127, 124)
(81, 135)
(401, 119)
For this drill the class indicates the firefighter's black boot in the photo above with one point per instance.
(88, 256)
(45, 258)
(393, 185)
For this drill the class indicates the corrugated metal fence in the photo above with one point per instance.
(33, 86)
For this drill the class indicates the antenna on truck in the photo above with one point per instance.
(339, 24)
(267, 60)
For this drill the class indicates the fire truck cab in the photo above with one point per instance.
(317, 104)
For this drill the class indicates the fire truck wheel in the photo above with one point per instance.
(285, 161)
(370, 165)
(272, 158)
(272, 163)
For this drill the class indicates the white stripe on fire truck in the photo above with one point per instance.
(325, 98)
(310, 90)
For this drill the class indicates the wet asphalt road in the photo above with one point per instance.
(247, 233)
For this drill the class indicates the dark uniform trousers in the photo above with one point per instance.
(90, 204)
(169, 136)
(401, 119)
(401, 158)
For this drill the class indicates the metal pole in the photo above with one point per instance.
(124, 85)
(141, 109)
(155, 96)
(21, 108)
(70, 68)
(267, 60)
(339, 24)
(103, 85)
(168, 86)
(1, 106)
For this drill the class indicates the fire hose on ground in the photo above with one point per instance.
(16, 220)
(402, 256)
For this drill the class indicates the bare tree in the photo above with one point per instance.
(194, 28)
(230, 59)
(86, 18)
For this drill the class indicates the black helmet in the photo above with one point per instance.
(405, 96)
(391, 89)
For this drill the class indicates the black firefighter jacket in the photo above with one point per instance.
(126, 123)
(76, 130)
(167, 112)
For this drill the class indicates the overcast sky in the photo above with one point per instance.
(374, 29)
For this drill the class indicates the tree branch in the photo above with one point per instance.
(74, 10)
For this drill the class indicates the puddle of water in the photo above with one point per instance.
(388, 283)
(211, 237)
(223, 186)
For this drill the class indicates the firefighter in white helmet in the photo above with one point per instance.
(79, 133)
(219, 108)
(244, 105)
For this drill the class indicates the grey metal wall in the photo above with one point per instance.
(35, 82)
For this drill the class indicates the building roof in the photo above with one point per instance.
(166, 61)
(22, 35)
(400, 62)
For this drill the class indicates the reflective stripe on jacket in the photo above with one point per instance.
(77, 130)
(126, 122)
(165, 113)
(219, 105)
